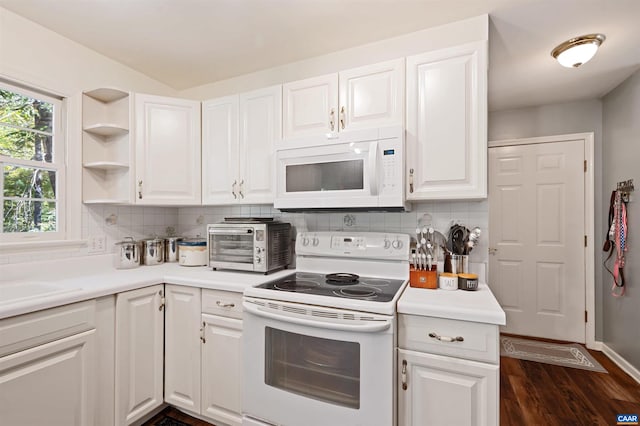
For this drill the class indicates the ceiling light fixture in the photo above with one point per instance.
(575, 52)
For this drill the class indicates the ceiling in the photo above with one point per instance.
(187, 43)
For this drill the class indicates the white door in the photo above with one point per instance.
(182, 347)
(220, 150)
(447, 123)
(167, 150)
(222, 369)
(536, 222)
(260, 129)
(446, 391)
(372, 96)
(139, 353)
(310, 106)
(52, 384)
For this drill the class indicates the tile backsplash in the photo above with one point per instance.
(116, 222)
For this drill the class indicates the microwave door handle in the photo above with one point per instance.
(230, 231)
(366, 326)
(373, 168)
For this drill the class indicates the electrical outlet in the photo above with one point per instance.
(96, 244)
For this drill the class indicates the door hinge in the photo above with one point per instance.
(585, 316)
(585, 166)
(585, 240)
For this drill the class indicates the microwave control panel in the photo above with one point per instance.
(391, 176)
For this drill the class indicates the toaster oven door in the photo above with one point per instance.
(232, 248)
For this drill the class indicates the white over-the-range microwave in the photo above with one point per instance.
(357, 170)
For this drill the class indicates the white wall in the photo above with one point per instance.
(558, 119)
(621, 161)
(456, 33)
(36, 57)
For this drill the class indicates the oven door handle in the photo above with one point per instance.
(243, 231)
(365, 327)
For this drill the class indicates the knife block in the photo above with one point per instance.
(423, 279)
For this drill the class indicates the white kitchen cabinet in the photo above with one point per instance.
(182, 347)
(107, 150)
(363, 97)
(443, 390)
(167, 151)
(222, 356)
(448, 372)
(447, 123)
(139, 353)
(239, 135)
(48, 367)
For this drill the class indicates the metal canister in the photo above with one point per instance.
(127, 254)
(152, 251)
(171, 249)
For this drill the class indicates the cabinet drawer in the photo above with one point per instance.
(36, 328)
(224, 303)
(480, 341)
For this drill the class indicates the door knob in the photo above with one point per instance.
(492, 251)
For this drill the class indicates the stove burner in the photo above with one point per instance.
(342, 278)
(295, 285)
(375, 282)
(357, 292)
(305, 275)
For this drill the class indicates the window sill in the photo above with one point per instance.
(28, 246)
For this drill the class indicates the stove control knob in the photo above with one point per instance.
(397, 244)
(315, 241)
(305, 241)
(258, 260)
(258, 250)
(387, 243)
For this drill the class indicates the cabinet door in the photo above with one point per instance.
(310, 107)
(220, 150)
(51, 384)
(447, 123)
(260, 129)
(139, 353)
(222, 369)
(372, 96)
(167, 150)
(182, 347)
(446, 391)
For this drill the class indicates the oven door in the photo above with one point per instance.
(231, 246)
(306, 365)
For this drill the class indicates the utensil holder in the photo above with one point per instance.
(456, 263)
(423, 278)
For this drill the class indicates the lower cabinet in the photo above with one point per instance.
(139, 346)
(47, 367)
(448, 372)
(203, 360)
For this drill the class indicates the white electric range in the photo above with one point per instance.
(322, 339)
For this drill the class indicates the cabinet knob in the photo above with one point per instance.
(332, 122)
(411, 181)
(241, 189)
(404, 374)
(342, 118)
(140, 189)
(233, 189)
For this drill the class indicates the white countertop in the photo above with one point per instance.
(77, 279)
(476, 306)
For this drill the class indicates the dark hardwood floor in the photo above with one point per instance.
(532, 393)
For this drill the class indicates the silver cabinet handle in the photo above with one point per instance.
(233, 189)
(411, 181)
(241, 189)
(332, 122)
(342, 118)
(446, 338)
(404, 374)
(202, 332)
(225, 305)
(162, 300)
(140, 189)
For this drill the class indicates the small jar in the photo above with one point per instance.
(448, 281)
(193, 252)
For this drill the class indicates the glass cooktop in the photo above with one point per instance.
(345, 285)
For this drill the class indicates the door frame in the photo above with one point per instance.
(589, 219)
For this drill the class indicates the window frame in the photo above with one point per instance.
(58, 164)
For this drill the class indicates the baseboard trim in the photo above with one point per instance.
(595, 346)
(621, 362)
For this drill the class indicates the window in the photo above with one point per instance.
(32, 165)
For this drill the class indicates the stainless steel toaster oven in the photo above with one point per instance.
(249, 244)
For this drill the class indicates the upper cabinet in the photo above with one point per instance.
(447, 123)
(238, 137)
(107, 149)
(167, 151)
(364, 97)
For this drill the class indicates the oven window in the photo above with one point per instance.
(236, 248)
(330, 176)
(323, 369)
